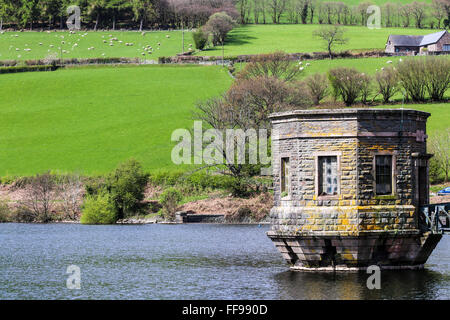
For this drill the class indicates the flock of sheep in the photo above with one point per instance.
(106, 40)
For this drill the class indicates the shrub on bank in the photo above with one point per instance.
(4, 211)
(200, 39)
(98, 209)
(169, 200)
(126, 185)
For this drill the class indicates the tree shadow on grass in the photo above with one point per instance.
(238, 37)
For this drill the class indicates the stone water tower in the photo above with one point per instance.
(348, 184)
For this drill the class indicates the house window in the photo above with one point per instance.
(446, 47)
(327, 175)
(285, 183)
(383, 174)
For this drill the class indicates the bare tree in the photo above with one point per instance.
(362, 10)
(389, 10)
(318, 86)
(387, 82)
(277, 7)
(437, 77)
(70, 191)
(277, 64)
(247, 105)
(418, 10)
(40, 194)
(406, 12)
(439, 10)
(349, 84)
(332, 35)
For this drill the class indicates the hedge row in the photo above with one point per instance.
(293, 56)
(81, 61)
(27, 69)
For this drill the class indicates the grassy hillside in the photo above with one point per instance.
(43, 44)
(255, 39)
(90, 119)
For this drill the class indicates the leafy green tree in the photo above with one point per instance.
(96, 9)
(29, 12)
(115, 7)
(126, 186)
(50, 9)
(169, 200)
(219, 24)
(143, 10)
(5, 11)
(200, 39)
(98, 209)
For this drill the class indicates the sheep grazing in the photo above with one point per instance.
(389, 61)
(143, 53)
(400, 60)
(104, 41)
(308, 64)
(301, 68)
(40, 43)
(167, 36)
(382, 68)
(300, 63)
(17, 49)
(143, 33)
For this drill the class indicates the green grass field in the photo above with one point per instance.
(15, 45)
(366, 65)
(256, 39)
(87, 120)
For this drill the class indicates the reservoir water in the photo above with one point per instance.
(193, 261)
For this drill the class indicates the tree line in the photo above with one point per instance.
(140, 14)
(418, 14)
(112, 14)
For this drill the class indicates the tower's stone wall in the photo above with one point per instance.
(354, 137)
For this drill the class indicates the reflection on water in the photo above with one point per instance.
(406, 284)
(199, 261)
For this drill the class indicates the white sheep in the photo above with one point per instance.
(389, 61)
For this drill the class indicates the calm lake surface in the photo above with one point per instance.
(196, 261)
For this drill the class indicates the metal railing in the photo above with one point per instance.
(435, 217)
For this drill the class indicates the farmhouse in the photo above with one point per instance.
(438, 42)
